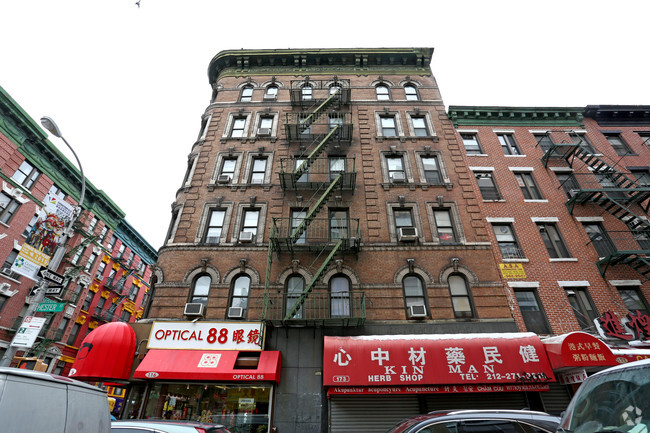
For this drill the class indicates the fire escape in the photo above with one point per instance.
(615, 192)
(319, 131)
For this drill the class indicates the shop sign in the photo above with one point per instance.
(572, 377)
(435, 359)
(207, 335)
(609, 326)
(512, 270)
(444, 389)
(578, 349)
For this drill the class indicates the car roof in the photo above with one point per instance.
(165, 423)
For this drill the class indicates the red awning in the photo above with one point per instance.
(456, 359)
(211, 365)
(578, 350)
(106, 353)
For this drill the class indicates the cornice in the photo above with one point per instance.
(516, 116)
(609, 115)
(359, 61)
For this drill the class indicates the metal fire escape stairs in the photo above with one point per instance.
(615, 200)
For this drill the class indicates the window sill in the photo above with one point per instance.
(535, 201)
(476, 154)
(515, 156)
(494, 201)
(564, 259)
(515, 260)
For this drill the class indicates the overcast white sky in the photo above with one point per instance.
(127, 85)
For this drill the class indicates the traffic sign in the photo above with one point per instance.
(49, 306)
(53, 290)
(51, 276)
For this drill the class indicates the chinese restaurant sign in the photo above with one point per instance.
(207, 335)
(609, 326)
(435, 359)
(578, 349)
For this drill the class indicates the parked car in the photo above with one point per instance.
(165, 426)
(479, 421)
(32, 401)
(616, 400)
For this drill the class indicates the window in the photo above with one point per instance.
(411, 92)
(414, 292)
(295, 287)
(333, 121)
(89, 299)
(215, 226)
(8, 207)
(271, 92)
(73, 334)
(403, 218)
(532, 312)
(336, 167)
(431, 170)
(298, 161)
(599, 239)
(100, 305)
(618, 144)
(201, 289)
(111, 277)
(420, 126)
(568, 182)
(266, 126)
(26, 175)
(471, 144)
(509, 144)
(61, 329)
(460, 299)
(507, 241)
(228, 168)
(388, 127)
(246, 94)
(444, 226)
(339, 223)
(238, 127)
(582, 306)
(29, 228)
(396, 173)
(111, 243)
(133, 293)
(642, 176)
(297, 217)
(100, 270)
(645, 136)
(102, 234)
(142, 267)
(307, 93)
(125, 316)
(553, 240)
(633, 299)
(3, 301)
(487, 186)
(382, 93)
(528, 186)
(304, 125)
(6, 266)
(120, 251)
(334, 88)
(610, 182)
(240, 289)
(91, 262)
(582, 141)
(77, 255)
(250, 221)
(258, 170)
(92, 225)
(339, 296)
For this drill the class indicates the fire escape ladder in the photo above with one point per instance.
(302, 227)
(319, 273)
(119, 288)
(306, 122)
(304, 167)
(267, 281)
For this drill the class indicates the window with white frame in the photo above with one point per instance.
(339, 296)
(414, 292)
(297, 217)
(91, 262)
(461, 300)
(508, 144)
(246, 94)
(265, 128)
(271, 92)
(8, 207)
(6, 266)
(395, 168)
(382, 92)
(298, 162)
(444, 226)
(486, 185)
(307, 92)
(411, 92)
(420, 128)
(26, 175)
(227, 171)
(431, 169)
(471, 143)
(258, 170)
(205, 124)
(238, 127)
(295, 287)
(339, 221)
(201, 289)
(239, 293)
(388, 126)
(528, 186)
(336, 167)
(250, 220)
(214, 227)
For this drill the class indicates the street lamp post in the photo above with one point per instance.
(54, 263)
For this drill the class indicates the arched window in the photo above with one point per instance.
(411, 92)
(382, 93)
(240, 290)
(201, 289)
(271, 92)
(335, 88)
(246, 94)
(295, 287)
(307, 93)
(339, 296)
(414, 292)
(460, 296)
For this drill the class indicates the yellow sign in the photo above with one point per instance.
(33, 255)
(512, 270)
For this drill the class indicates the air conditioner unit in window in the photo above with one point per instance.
(235, 313)
(416, 311)
(223, 178)
(407, 234)
(398, 177)
(194, 309)
(264, 132)
(246, 237)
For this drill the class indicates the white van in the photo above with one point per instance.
(615, 400)
(32, 401)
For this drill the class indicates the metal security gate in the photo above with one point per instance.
(369, 414)
(476, 400)
(556, 399)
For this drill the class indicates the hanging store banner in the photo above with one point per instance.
(28, 262)
(207, 335)
(48, 228)
(472, 359)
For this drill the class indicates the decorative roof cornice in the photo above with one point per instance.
(516, 116)
(359, 61)
(609, 115)
(127, 234)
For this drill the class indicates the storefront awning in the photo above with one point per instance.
(463, 359)
(106, 353)
(214, 365)
(578, 350)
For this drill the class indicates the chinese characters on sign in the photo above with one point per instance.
(364, 361)
(609, 326)
(512, 270)
(207, 335)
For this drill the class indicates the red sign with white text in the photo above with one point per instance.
(435, 359)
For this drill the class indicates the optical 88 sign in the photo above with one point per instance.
(207, 335)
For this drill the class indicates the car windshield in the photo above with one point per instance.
(615, 401)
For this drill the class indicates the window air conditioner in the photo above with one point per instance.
(264, 132)
(235, 313)
(246, 237)
(223, 178)
(417, 311)
(407, 234)
(194, 309)
(398, 177)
